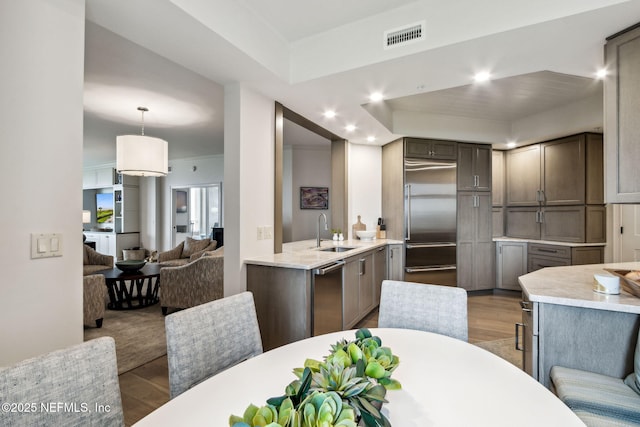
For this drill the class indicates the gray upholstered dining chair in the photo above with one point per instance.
(208, 338)
(82, 378)
(432, 308)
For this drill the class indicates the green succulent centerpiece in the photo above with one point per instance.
(347, 388)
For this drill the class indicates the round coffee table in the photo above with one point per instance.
(131, 290)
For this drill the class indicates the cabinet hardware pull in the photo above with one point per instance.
(518, 325)
(362, 266)
(551, 251)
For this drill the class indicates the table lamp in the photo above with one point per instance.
(86, 219)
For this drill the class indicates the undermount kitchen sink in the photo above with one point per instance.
(337, 249)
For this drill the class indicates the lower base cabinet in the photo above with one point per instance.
(511, 263)
(543, 255)
(284, 296)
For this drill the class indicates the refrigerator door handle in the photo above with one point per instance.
(408, 217)
(430, 245)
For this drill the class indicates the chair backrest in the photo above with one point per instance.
(432, 308)
(75, 386)
(208, 338)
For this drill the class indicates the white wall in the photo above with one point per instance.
(365, 185)
(42, 51)
(208, 170)
(249, 155)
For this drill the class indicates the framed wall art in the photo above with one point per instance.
(314, 198)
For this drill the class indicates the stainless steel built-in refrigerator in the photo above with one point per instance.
(430, 221)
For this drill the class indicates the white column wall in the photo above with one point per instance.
(365, 185)
(249, 145)
(42, 51)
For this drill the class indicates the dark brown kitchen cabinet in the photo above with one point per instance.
(522, 176)
(430, 149)
(474, 252)
(497, 177)
(379, 272)
(559, 223)
(554, 190)
(552, 173)
(562, 173)
(621, 106)
(474, 167)
(544, 255)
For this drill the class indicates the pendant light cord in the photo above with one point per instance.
(142, 110)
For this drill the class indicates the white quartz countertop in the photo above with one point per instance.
(305, 255)
(573, 286)
(545, 242)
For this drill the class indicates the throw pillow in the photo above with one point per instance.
(85, 257)
(633, 379)
(217, 253)
(192, 246)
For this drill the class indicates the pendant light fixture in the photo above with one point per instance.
(141, 155)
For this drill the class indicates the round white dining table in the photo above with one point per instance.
(445, 382)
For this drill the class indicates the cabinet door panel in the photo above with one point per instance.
(498, 222)
(563, 224)
(563, 171)
(366, 289)
(444, 150)
(536, 262)
(622, 102)
(523, 176)
(379, 272)
(465, 169)
(483, 163)
(521, 223)
(511, 264)
(497, 177)
(350, 291)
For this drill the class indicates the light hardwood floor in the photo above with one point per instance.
(491, 317)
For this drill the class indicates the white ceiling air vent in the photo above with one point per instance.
(404, 35)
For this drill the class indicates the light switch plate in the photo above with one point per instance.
(46, 245)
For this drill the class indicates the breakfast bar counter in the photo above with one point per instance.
(305, 255)
(566, 323)
(573, 286)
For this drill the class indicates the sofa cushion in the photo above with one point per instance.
(633, 379)
(192, 246)
(175, 262)
(217, 252)
(601, 395)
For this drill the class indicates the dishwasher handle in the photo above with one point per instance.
(328, 268)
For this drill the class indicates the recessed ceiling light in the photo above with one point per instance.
(350, 128)
(511, 144)
(601, 73)
(483, 76)
(329, 114)
(376, 96)
(371, 138)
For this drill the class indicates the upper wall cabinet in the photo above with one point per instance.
(621, 124)
(98, 178)
(430, 149)
(474, 167)
(561, 172)
(497, 177)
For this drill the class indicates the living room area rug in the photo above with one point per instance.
(139, 335)
(503, 348)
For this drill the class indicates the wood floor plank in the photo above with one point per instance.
(491, 317)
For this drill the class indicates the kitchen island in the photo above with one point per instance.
(306, 290)
(567, 323)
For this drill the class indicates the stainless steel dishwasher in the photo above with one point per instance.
(327, 298)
